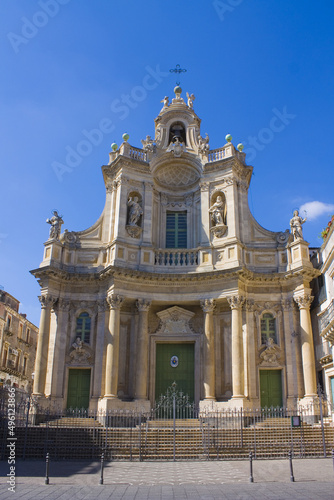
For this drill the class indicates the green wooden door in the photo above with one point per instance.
(271, 388)
(175, 363)
(78, 388)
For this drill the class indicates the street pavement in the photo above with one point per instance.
(203, 480)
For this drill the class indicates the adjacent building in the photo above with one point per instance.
(18, 340)
(176, 281)
(323, 317)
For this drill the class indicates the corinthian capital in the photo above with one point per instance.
(143, 304)
(208, 305)
(235, 301)
(115, 301)
(304, 301)
(47, 301)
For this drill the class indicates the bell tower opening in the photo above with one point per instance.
(177, 133)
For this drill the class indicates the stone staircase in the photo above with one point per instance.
(192, 439)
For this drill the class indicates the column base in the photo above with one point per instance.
(309, 408)
(236, 403)
(108, 403)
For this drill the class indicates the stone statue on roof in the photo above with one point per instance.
(191, 99)
(56, 221)
(296, 225)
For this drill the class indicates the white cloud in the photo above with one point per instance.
(315, 209)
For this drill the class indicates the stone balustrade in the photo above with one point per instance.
(137, 154)
(176, 258)
(219, 154)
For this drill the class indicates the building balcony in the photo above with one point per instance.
(11, 368)
(8, 331)
(326, 323)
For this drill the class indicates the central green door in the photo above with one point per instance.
(175, 363)
(78, 388)
(271, 388)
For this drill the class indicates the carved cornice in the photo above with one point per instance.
(67, 274)
(208, 305)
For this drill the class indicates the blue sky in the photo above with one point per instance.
(261, 70)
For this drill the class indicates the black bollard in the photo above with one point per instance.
(47, 462)
(251, 478)
(102, 463)
(333, 457)
(292, 478)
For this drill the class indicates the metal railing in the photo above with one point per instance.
(168, 432)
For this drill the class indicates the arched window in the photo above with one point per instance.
(83, 327)
(268, 328)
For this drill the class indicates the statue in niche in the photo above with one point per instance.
(218, 211)
(135, 211)
(56, 221)
(203, 143)
(296, 225)
(191, 99)
(148, 143)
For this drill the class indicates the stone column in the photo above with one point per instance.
(208, 306)
(112, 350)
(99, 345)
(308, 358)
(47, 303)
(142, 350)
(235, 303)
(58, 366)
(288, 339)
(252, 351)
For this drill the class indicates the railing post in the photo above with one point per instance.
(102, 464)
(47, 463)
(174, 427)
(241, 427)
(251, 478)
(322, 420)
(333, 457)
(140, 455)
(292, 479)
(26, 431)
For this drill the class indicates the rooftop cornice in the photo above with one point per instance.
(240, 273)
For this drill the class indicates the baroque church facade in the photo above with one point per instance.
(175, 282)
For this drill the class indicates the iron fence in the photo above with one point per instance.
(173, 430)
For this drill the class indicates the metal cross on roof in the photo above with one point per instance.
(178, 70)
